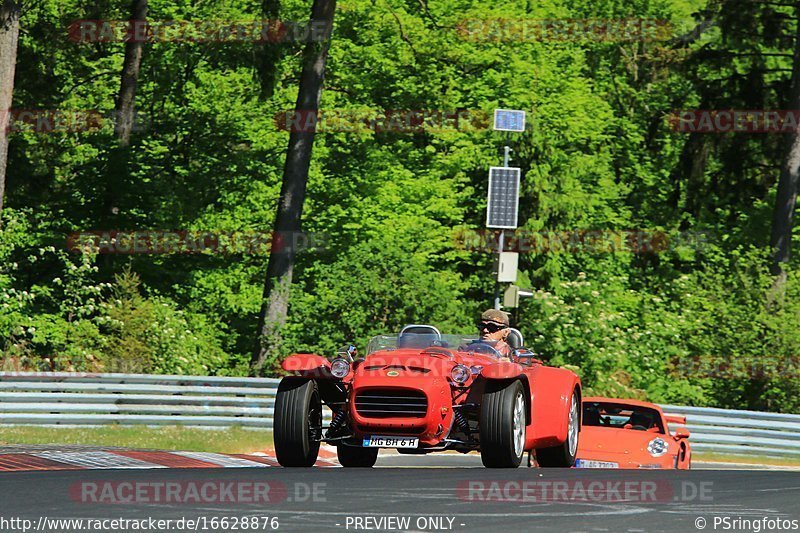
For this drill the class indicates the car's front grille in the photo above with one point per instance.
(398, 368)
(391, 403)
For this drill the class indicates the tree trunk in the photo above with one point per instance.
(124, 118)
(9, 35)
(786, 197)
(269, 52)
(125, 105)
(275, 301)
(690, 172)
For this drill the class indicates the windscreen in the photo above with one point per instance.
(419, 341)
(620, 416)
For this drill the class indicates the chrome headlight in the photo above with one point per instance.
(460, 373)
(657, 447)
(340, 367)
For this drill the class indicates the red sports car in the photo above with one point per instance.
(421, 392)
(631, 434)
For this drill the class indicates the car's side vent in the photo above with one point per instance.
(391, 403)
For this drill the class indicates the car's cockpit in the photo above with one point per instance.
(422, 336)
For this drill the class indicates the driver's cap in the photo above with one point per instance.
(495, 315)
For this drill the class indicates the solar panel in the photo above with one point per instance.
(509, 120)
(503, 206)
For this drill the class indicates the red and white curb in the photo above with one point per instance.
(133, 459)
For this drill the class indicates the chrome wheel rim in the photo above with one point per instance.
(573, 427)
(519, 424)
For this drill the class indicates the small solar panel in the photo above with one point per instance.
(509, 120)
(503, 206)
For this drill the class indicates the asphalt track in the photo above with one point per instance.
(434, 495)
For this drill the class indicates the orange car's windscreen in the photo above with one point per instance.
(621, 416)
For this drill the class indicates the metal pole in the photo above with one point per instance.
(500, 246)
(501, 242)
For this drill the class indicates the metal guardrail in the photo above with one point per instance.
(740, 432)
(58, 399)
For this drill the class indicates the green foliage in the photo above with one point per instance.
(715, 336)
(377, 287)
(74, 323)
(692, 324)
(151, 335)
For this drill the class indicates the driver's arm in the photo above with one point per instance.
(505, 350)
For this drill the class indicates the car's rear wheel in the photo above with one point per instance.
(564, 454)
(356, 456)
(298, 422)
(502, 424)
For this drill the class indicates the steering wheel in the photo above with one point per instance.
(482, 347)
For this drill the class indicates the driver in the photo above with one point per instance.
(493, 328)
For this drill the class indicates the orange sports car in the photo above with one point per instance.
(631, 434)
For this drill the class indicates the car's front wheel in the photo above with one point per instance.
(298, 422)
(564, 454)
(356, 456)
(502, 424)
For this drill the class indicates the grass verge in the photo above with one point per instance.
(230, 440)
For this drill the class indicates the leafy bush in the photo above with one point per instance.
(74, 323)
(713, 336)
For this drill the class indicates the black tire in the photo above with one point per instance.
(563, 455)
(500, 445)
(298, 422)
(356, 456)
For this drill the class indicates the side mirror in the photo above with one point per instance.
(681, 433)
(524, 356)
(347, 352)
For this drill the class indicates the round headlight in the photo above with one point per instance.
(657, 447)
(460, 373)
(340, 367)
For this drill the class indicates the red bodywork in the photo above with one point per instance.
(426, 374)
(627, 447)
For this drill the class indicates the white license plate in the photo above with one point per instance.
(583, 463)
(391, 442)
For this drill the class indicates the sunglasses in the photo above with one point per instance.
(490, 326)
